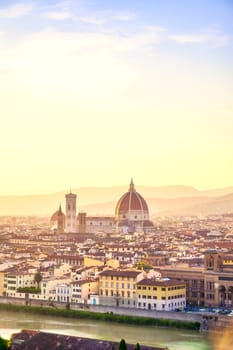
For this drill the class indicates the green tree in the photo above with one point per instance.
(32, 290)
(137, 347)
(4, 344)
(122, 345)
(38, 278)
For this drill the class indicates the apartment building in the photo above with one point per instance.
(161, 294)
(118, 287)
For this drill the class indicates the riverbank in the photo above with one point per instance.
(12, 322)
(108, 316)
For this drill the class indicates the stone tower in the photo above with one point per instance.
(71, 212)
(82, 222)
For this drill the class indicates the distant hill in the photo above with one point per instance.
(177, 200)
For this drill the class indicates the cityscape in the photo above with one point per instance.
(116, 191)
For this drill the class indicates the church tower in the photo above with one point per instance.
(71, 212)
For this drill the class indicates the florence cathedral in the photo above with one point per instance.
(131, 215)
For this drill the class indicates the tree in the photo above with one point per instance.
(137, 347)
(4, 344)
(122, 345)
(38, 278)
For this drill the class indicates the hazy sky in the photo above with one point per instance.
(93, 92)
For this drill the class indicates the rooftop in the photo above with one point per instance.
(31, 340)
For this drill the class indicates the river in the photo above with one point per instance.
(11, 322)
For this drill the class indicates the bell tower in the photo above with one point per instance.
(71, 212)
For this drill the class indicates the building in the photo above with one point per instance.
(99, 224)
(17, 279)
(118, 287)
(29, 340)
(211, 285)
(131, 215)
(161, 294)
(81, 290)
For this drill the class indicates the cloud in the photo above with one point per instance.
(212, 37)
(62, 5)
(65, 10)
(91, 19)
(65, 64)
(188, 39)
(59, 15)
(124, 16)
(16, 10)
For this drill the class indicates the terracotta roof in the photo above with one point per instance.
(124, 273)
(31, 340)
(154, 282)
(131, 200)
(55, 216)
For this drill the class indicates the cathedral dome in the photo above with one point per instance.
(56, 215)
(132, 206)
(131, 200)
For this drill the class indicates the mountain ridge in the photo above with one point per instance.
(174, 200)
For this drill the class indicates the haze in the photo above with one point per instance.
(94, 92)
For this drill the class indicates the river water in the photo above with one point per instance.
(11, 322)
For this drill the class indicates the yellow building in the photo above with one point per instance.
(161, 294)
(118, 287)
(2, 275)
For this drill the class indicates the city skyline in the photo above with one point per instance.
(94, 93)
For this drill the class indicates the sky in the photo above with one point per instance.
(94, 92)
